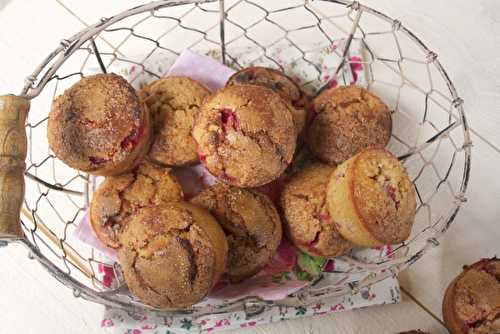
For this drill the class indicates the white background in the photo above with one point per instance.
(466, 36)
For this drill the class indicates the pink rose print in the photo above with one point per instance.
(248, 324)
(108, 274)
(332, 83)
(222, 323)
(317, 307)
(134, 331)
(356, 67)
(107, 323)
(337, 307)
(329, 266)
(389, 251)
(148, 327)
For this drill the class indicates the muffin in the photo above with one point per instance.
(251, 224)
(245, 135)
(174, 103)
(347, 120)
(118, 197)
(307, 222)
(172, 254)
(471, 303)
(99, 126)
(371, 199)
(280, 83)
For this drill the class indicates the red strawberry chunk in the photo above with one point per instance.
(391, 192)
(133, 138)
(97, 160)
(229, 119)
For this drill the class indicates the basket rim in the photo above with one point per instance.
(70, 45)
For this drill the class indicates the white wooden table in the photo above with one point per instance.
(466, 36)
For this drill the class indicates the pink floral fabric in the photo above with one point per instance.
(118, 321)
(290, 270)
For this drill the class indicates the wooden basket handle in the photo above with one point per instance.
(13, 148)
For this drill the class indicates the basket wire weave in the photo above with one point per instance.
(430, 136)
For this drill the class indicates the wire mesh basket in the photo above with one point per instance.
(430, 132)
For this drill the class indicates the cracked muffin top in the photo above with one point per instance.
(346, 120)
(174, 103)
(472, 301)
(307, 221)
(172, 254)
(99, 125)
(118, 197)
(251, 223)
(280, 83)
(371, 199)
(246, 135)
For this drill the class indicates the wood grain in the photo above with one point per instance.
(13, 148)
(386, 319)
(464, 34)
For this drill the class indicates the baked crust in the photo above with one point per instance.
(245, 135)
(119, 197)
(280, 83)
(471, 304)
(371, 199)
(307, 221)
(174, 103)
(251, 223)
(172, 255)
(99, 125)
(347, 119)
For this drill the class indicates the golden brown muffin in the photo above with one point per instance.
(174, 103)
(245, 135)
(99, 125)
(172, 254)
(251, 224)
(307, 221)
(371, 199)
(347, 120)
(280, 83)
(471, 303)
(118, 197)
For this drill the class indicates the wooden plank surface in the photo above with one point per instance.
(386, 319)
(466, 36)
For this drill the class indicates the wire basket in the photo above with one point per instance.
(430, 131)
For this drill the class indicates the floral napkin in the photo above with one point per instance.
(290, 270)
(118, 321)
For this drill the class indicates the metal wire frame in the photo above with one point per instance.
(49, 246)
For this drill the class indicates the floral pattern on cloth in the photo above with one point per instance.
(289, 270)
(118, 321)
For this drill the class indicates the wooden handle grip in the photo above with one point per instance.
(13, 148)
